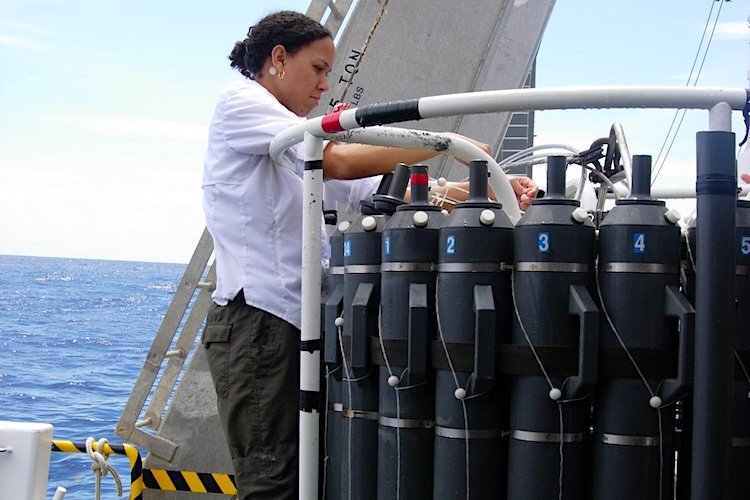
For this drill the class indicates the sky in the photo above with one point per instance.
(104, 106)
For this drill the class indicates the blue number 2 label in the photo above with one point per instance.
(639, 242)
(450, 245)
(542, 242)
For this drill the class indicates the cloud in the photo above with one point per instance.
(732, 31)
(17, 41)
(26, 27)
(23, 35)
(132, 126)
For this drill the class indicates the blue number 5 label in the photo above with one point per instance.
(745, 245)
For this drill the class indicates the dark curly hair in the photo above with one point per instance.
(288, 28)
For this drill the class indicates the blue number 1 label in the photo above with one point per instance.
(387, 245)
(542, 242)
(639, 242)
(347, 248)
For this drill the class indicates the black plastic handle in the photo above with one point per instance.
(677, 306)
(361, 311)
(417, 335)
(581, 304)
(484, 339)
(331, 311)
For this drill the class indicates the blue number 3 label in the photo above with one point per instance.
(542, 242)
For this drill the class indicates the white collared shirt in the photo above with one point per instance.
(253, 207)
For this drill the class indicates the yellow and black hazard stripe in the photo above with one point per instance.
(195, 482)
(134, 457)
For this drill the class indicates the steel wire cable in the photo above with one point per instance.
(690, 76)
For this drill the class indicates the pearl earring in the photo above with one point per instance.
(272, 70)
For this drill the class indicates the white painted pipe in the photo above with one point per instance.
(493, 101)
(458, 147)
(580, 98)
(310, 362)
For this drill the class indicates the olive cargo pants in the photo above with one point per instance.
(253, 357)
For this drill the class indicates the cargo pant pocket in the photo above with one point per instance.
(215, 340)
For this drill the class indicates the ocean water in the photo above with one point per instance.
(73, 336)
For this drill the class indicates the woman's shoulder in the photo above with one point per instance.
(249, 94)
(247, 89)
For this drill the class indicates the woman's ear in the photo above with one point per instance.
(278, 56)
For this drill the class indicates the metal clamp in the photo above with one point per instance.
(622, 440)
(405, 423)
(547, 437)
(364, 414)
(451, 433)
(554, 267)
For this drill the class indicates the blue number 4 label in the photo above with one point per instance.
(639, 242)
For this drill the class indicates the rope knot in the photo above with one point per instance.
(99, 465)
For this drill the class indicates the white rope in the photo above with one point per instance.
(398, 402)
(458, 386)
(549, 382)
(640, 374)
(326, 457)
(345, 377)
(100, 467)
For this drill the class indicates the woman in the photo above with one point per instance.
(253, 210)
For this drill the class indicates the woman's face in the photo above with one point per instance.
(305, 76)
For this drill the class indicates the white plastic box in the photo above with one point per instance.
(24, 463)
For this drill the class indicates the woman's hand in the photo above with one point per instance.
(484, 147)
(340, 106)
(525, 189)
(745, 178)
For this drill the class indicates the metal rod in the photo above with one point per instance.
(336, 12)
(714, 339)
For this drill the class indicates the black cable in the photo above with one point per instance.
(687, 84)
